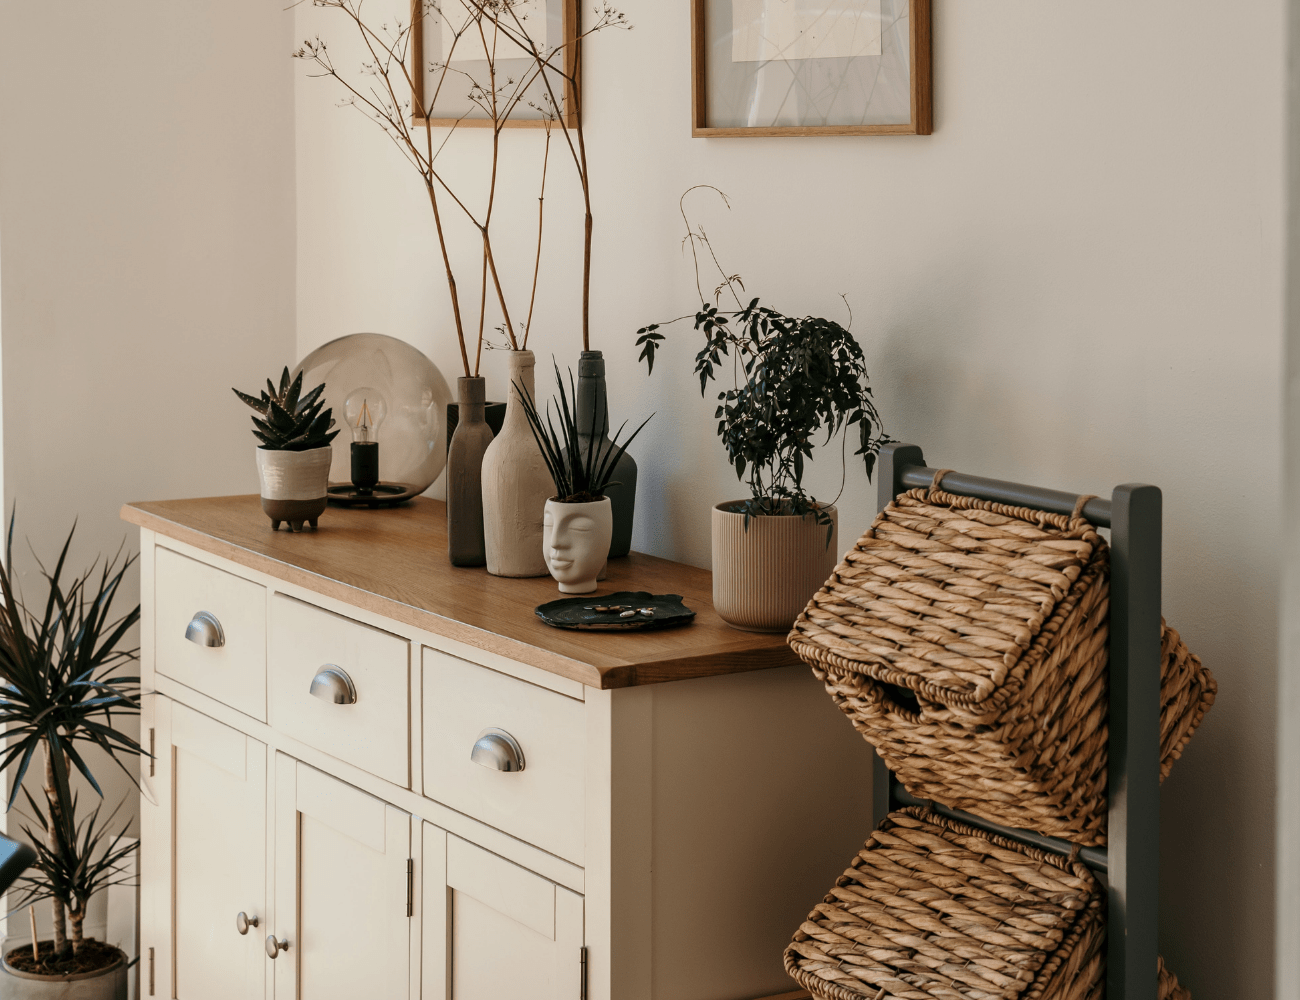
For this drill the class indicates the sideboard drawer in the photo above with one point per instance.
(311, 648)
(542, 803)
(234, 670)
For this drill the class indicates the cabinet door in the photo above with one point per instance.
(342, 900)
(493, 929)
(207, 838)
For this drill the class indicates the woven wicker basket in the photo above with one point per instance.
(934, 910)
(968, 642)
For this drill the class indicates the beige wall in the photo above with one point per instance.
(146, 207)
(1076, 281)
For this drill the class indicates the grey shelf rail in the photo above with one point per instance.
(1130, 863)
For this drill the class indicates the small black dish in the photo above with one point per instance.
(379, 495)
(619, 612)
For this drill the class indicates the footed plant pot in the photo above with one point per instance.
(465, 546)
(516, 484)
(295, 485)
(575, 539)
(764, 577)
(103, 984)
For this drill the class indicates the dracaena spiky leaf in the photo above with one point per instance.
(290, 420)
(581, 472)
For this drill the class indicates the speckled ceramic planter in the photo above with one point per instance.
(763, 577)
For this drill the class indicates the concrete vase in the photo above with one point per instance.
(465, 544)
(592, 405)
(516, 485)
(765, 576)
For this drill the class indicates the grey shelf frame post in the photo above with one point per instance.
(1131, 860)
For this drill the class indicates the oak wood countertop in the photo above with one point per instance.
(394, 563)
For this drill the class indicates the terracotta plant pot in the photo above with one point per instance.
(575, 539)
(104, 984)
(764, 577)
(294, 485)
(516, 484)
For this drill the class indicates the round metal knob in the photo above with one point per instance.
(243, 921)
(498, 750)
(332, 684)
(205, 630)
(274, 947)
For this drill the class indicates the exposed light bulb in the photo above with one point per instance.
(365, 410)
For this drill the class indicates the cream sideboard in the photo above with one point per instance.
(684, 798)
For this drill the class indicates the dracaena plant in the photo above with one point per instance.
(581, 465)
(67, 683)
(290, 421)
(793, 378)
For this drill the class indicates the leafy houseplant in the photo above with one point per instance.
(62, 670)
(293, 460)
(578, 521)
(792, 378)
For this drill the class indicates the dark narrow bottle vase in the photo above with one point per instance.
(465, 546)
(592, 403)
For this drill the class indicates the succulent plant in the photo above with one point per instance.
(290, 421)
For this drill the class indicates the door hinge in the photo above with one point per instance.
(151, 972)
(582, 983)
(152, 759)
(410, 887)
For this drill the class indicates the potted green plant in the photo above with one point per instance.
(293, 460)
(578, 521)
(62, 670)
(793, 378)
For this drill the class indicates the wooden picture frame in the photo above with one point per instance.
(920, 47)
(572, 54)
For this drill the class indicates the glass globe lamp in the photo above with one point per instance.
(392, 400)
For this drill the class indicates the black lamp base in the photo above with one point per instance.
(379, 495)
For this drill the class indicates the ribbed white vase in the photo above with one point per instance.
(764, 577)
(516, 486)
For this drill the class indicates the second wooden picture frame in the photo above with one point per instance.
(811, 67)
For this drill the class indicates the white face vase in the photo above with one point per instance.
(575, 542)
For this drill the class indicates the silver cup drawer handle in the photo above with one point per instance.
(333, 684)
(498, 750)
(205, 630)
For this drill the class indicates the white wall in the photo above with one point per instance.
(146, 201)
(1076, 281)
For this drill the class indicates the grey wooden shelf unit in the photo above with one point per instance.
(1130, 864)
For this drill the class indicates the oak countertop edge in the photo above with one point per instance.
(617, 672)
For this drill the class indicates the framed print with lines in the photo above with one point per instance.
(810, 67)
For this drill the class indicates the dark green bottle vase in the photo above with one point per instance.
(592, 403)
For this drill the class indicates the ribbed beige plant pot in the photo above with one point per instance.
(105, 984)
(764, 577)
(295, 485)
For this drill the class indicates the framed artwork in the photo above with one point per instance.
(449, 61)
(810, 67)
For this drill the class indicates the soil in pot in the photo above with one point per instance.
(94, 956)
